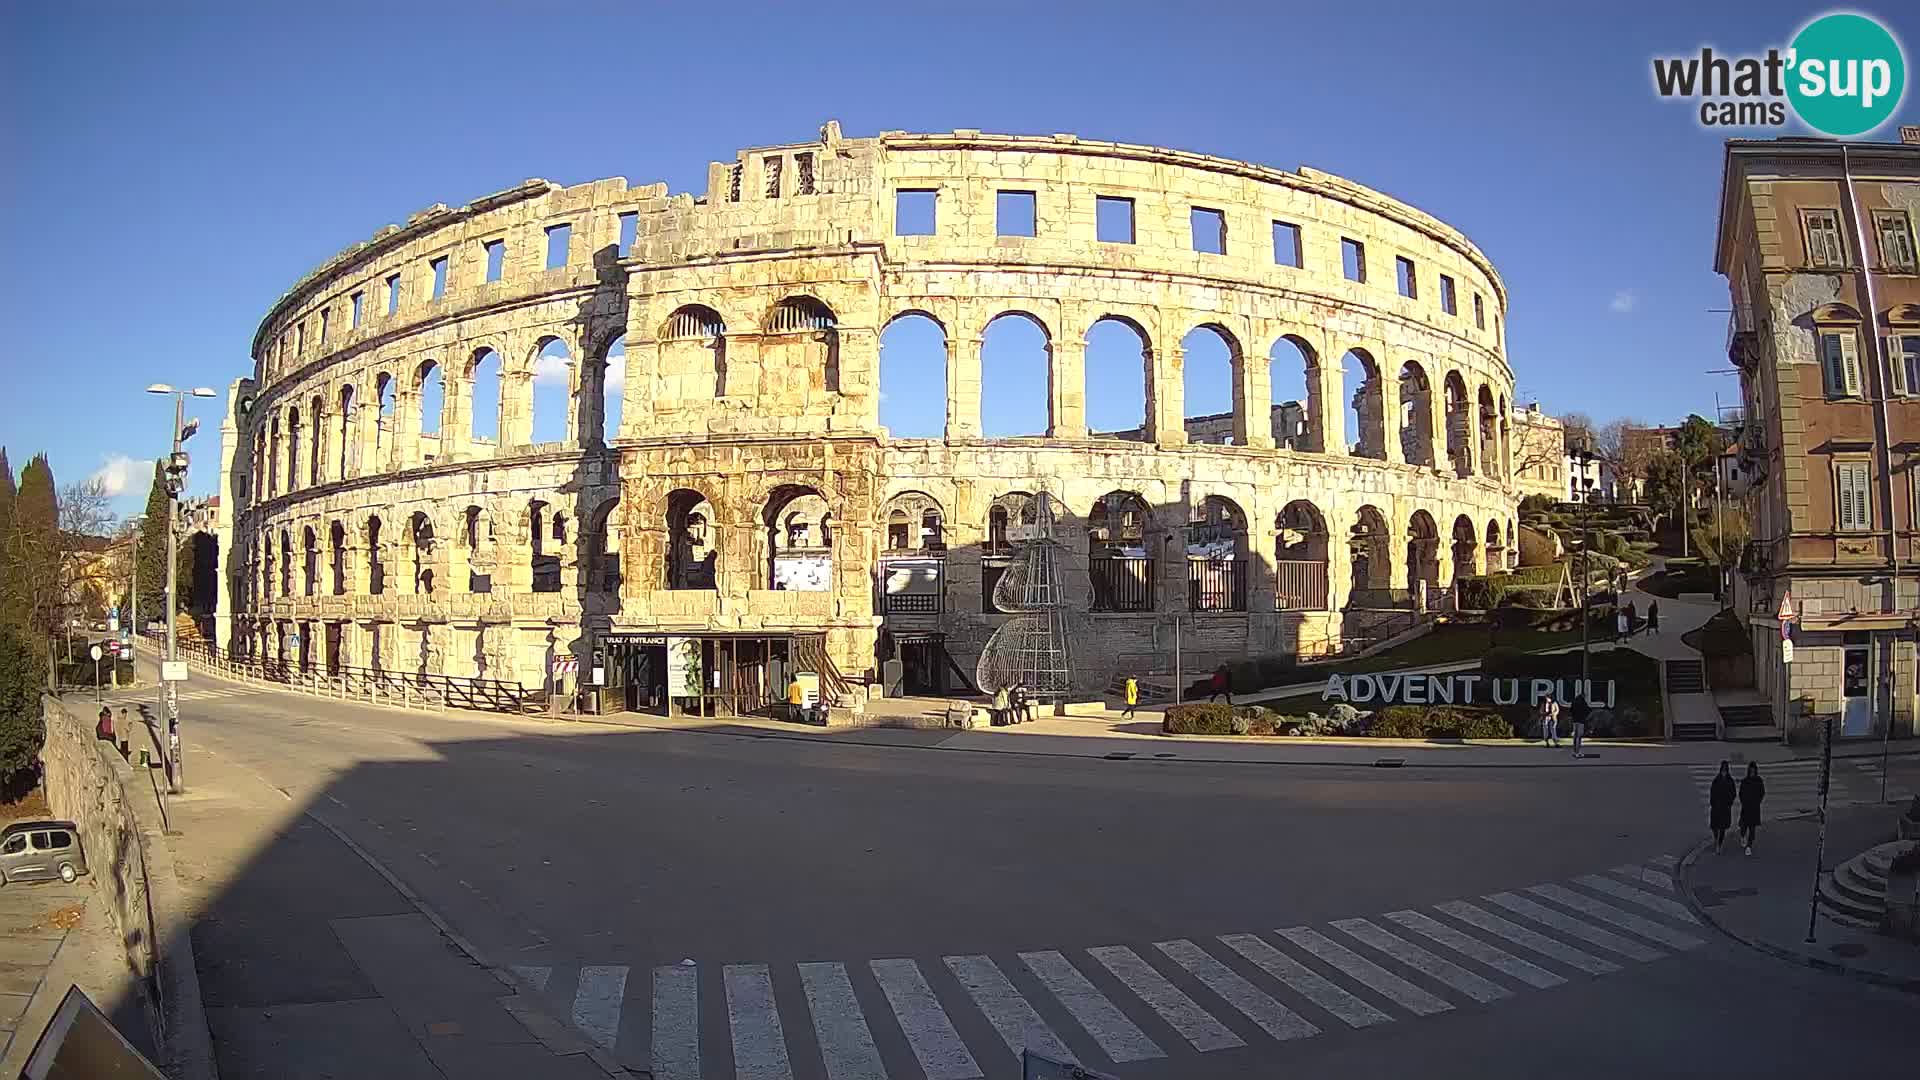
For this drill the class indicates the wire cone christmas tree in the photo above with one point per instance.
(1030, 649)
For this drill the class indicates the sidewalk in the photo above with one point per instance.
(314, 964)
(1762, 900)
(53, 937)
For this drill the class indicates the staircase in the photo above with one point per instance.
(1749, 723)
(1690, 713)
(1686, 677)
(1855, 894)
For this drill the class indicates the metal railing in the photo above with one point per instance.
(377, 685)
(1300, 585)
(1121, 583)
(1216, 584)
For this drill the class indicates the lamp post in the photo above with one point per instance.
(176, 482)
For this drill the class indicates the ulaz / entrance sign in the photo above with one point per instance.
(1387, 688)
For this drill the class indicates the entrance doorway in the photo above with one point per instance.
(1856, 691)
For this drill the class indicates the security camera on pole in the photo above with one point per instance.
(172, 671)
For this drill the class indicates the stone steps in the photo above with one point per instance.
(1855, 892)
(1686, 677)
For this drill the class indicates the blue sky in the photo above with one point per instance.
(169, 175)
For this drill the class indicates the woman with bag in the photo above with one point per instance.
(1720, 805)
(1752, 791)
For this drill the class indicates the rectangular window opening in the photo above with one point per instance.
(1209, 231)
(1479, 312)
(1896, 240)
(439, 277)
(326, 323)
(1855, 499)
(1405, 277)
(559, 240)
(496, 252)
(359, 302)
(299, 338)
(629, 225)
(1449, 302)
(393, 294)
(1286, 244)
(915, 211)
(1113, 219)
(1825, 245)
(1840, 363)
(803, 166)
(1353, 260)
(1014, 213)
(772, 168)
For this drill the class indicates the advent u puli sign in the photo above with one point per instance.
(1387, 688)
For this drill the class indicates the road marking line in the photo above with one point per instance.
(1625, 920)
(1366, 972)
(1421, 960)
(1019, 1025)
(1527, 939)
(596, 1004)
(535, 975)
(1612, 942)
(942, 1054)
(676, 1023)
(759, 1043)
(1638, 896)
(1657, 878)
(846, 1044)
(1118, 1037)
(1181, 1012)
(1469, 946)
(1274, 1018)
(1665, 862)
(1305, 981)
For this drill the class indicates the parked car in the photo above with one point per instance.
(41, 851)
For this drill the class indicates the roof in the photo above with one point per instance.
(1905, 155)
(31, 826)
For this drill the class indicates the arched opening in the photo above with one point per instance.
(1366, 416)
(1013, 509)
(915, 523)
(273, 459)
(376, 567)
(1120, 565)
(913, 377)
(478, 540)
(1371, 559)
(1210, 372)
(1300, 558)
(337, 547)
(286, 564)
(1416, 415)
(1016, 361)
(613, 389)
(483, 397)
(310, 569)
(911, 570)
(1117, 376)
(1512, 547)
(802, 340)
(420, 532)
(1216, 552)
(1496, 549)
(384, 421)
(349, 456)
(1466, 548)
(544, 566)
(1505, 456)
(433, 400)
(1293, 377)
(693, 354)
(602, 550)
(800, 531)
(316, 412)
(693, 544)
(1459, 451)
(1489, 434)
(293, 449)
(1423, 553)
(552, 391)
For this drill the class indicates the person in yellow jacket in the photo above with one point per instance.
(1133, 695)
(796, 697)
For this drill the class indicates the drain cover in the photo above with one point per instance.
(1389, 762)
(1118, 757)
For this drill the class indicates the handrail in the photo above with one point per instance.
(375, 684)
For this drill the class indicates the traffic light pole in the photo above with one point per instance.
(176, 768)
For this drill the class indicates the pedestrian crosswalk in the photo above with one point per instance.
(1793, 787)
(968, 1017)
(210, 693)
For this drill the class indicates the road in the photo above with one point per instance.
(730, 904)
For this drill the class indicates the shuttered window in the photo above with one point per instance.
(1903, 358)
(1840, 363)
(1896, 240)
(1824, 244)
(1850, 481)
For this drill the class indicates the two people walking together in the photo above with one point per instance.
(1720, 797)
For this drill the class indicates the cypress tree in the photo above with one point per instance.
(152, 550)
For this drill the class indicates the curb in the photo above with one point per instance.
(1832, 967)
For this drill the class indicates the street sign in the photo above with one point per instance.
(173, 671)
(1786, 650)
(96, 654)
(113, 624)
(1786, 607)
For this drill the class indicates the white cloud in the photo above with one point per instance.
(552, 369)
(616, 377)
(1622, 302)
(116, 473)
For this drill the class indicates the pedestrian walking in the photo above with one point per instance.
(1622, 622)
(1549, 721)
(1133, 696)
(1000, 707)
(1752, 790)
(1634, 624)
(1580, 710)
(1720, 805)
(1653, 616)
(1222, 684)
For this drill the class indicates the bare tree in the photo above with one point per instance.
(1580, 431)
(1623, 453)
(58, 570)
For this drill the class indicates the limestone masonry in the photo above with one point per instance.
(723, 475)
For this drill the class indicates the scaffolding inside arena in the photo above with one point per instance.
(1030, 649)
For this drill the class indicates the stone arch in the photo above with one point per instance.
(1489, 428)
(1005, 512)
(337, 546)
(1505, 455)
(610, 389)
(1216, 555)
(1212, 370)
(693, 354)
(1496, 547)
(543, 565)
(1416, 414)
(421, 543)
(1367, 407)
(1459, 430)
(1120, 564)
(600, 549)
(384, 417)
(802, 333)
(913, 358)
(1119, 358)
(1016, 371)
(349, 452)
(316, 451)
(376, 565)
(429, 388)
(293, 448)
(478, 547)
(693, 541)
(485, 401)
(1292, 362)
(273, 458)
(800, 533)
(310, 567)
(286, 564)
(914, 521)
(1300, 558)
(552, 393)
(1371, 558)
(1423, 552)
(1466, 548)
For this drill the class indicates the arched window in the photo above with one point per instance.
(1489, 434)
(384, 420)
(1293, 375)
(1423, 552)
(433, 400)
(693, 547)
(1006, 512)
(479, 546)
(420, 528)
(310, 576)
(376, 569)
(349, 457)
(1119, 372)
(545, 566)
(1466, 548)
(1016, 357)
(1216, 556)
(552, 391)
(1459, 426)
(1211, 366)
(1416, 415)
(1496, 550)
(337, 544)
(913, 377)
(1300, 558)
(613, 386)
(1366, 416)
(693, 354)
(1120, 564)
(800, 540)
(316, 410)
(293, 449)
(602, 550)
(483, 397)
(273, 459)
(899, 531)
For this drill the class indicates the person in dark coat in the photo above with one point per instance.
(1720, 805)
(1653, 616)
(1752, 790)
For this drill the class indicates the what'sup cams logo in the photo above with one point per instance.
(1843, 75)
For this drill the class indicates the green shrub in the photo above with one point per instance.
(1261, 720)
(1438, 722)
(1397, 722)
(1488, 726)
(1536, 504)
(1198, 718)
(23, 671)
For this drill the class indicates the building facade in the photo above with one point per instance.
(1539, 454)
(709, 372)
(1816, 240)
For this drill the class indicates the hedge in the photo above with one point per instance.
(1438, 722)
(1214, 718)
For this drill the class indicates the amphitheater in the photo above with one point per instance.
(548, 435)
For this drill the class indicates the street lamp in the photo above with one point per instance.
(176, 481)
